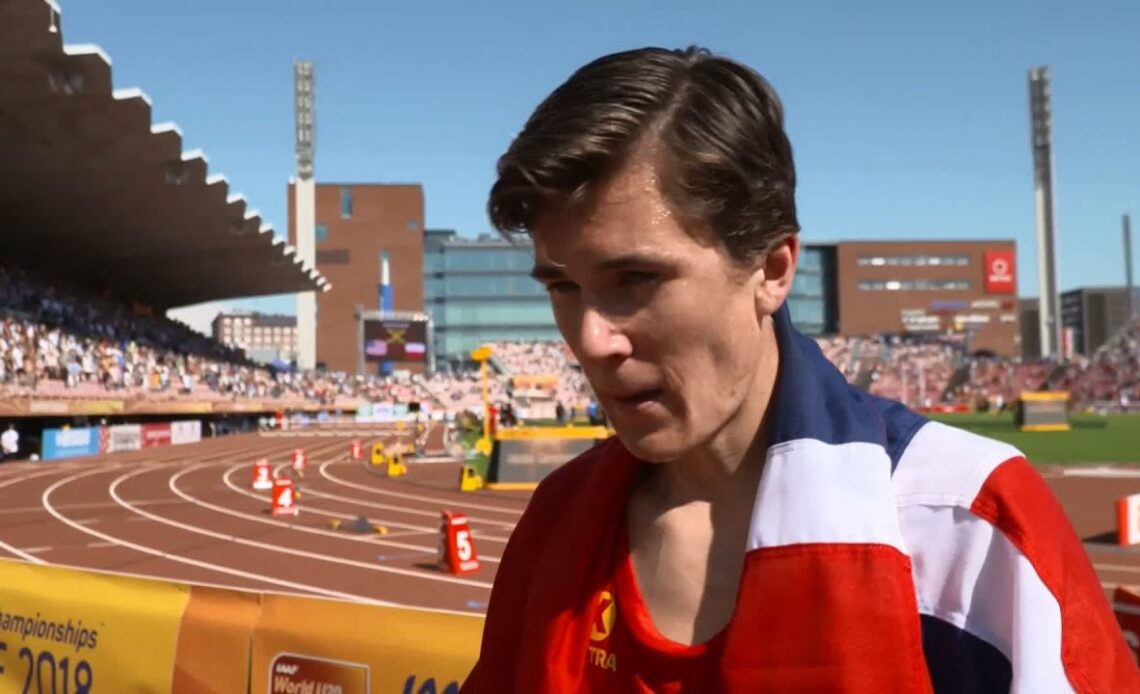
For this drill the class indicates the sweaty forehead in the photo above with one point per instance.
(627, 215)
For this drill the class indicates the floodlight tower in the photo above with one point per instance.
(1040, 112)
(304, 212)
(1128, 286)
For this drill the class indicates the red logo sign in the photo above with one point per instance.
(1001, 275)
(155, 435)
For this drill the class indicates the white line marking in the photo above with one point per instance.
(1118, 567)
(417, 497)
(1101, 471)
(45, 498)
(16, 479)
(224, 586)
(375, 540)
(349, 516)
(37, 550)
(410, 511)
(21, 554)
(113, 490)
(77, 507)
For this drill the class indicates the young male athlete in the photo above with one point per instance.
(757, 524)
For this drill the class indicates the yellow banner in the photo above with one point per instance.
(316, 646)
(527, 433)
(70, 631)
(213, 643)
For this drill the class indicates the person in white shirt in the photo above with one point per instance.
(10, 442)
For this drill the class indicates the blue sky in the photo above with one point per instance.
(907, 121)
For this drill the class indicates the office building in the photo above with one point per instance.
(1090, 316)
(480, 290)
(263, 337)
(360, 229)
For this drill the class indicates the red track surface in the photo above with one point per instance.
(188, 513)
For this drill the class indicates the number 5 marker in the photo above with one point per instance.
(457, 550)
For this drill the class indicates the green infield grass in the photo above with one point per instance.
(1093, 439)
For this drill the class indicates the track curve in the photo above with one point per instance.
(189, 513)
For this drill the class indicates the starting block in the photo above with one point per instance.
(469, 480)
(284, 502)
(396, 467)
(356, 451)
(262, 475)
(378, 453)
(299, 460)
(456, 549)
(360, 525)
(1128, 520)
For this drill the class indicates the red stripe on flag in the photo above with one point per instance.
(1016, 500)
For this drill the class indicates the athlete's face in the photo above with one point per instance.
(670, 332)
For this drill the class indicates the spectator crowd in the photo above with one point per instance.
(65, 342)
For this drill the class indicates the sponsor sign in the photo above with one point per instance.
(405, 651)
(185, 432)
(69, 443)
(124, 437)
(1000, 273)
(65, 631)
(155, 435)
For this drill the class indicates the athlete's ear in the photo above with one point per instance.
(775, 275)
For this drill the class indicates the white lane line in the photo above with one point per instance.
(22, 554)
(15, 479)
(349, 516)
(45, 499)
(410, 511)
(377, 505)
(370, 539)
(1102, 471)
(323, 468)
(332, 514)
(160, 576)
(77, 507)
(113, 490)
(418, 497)
(1118, 567)
(31, 476)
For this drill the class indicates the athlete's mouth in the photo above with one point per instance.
(639, 397)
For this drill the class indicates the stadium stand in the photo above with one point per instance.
(91, 190)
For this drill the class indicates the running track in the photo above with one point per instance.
(188, 513)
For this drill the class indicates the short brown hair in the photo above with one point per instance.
(729, 162)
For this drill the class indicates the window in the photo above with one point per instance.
(488, 259)
(333, 256)
(914, 285)
(412, 225)
(811, 259)
(345, 202)
(322, 233)
(913, 260)
(807, 285)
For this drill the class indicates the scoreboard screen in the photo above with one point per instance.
(394, 340)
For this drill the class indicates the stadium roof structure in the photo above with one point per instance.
(90, 188)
